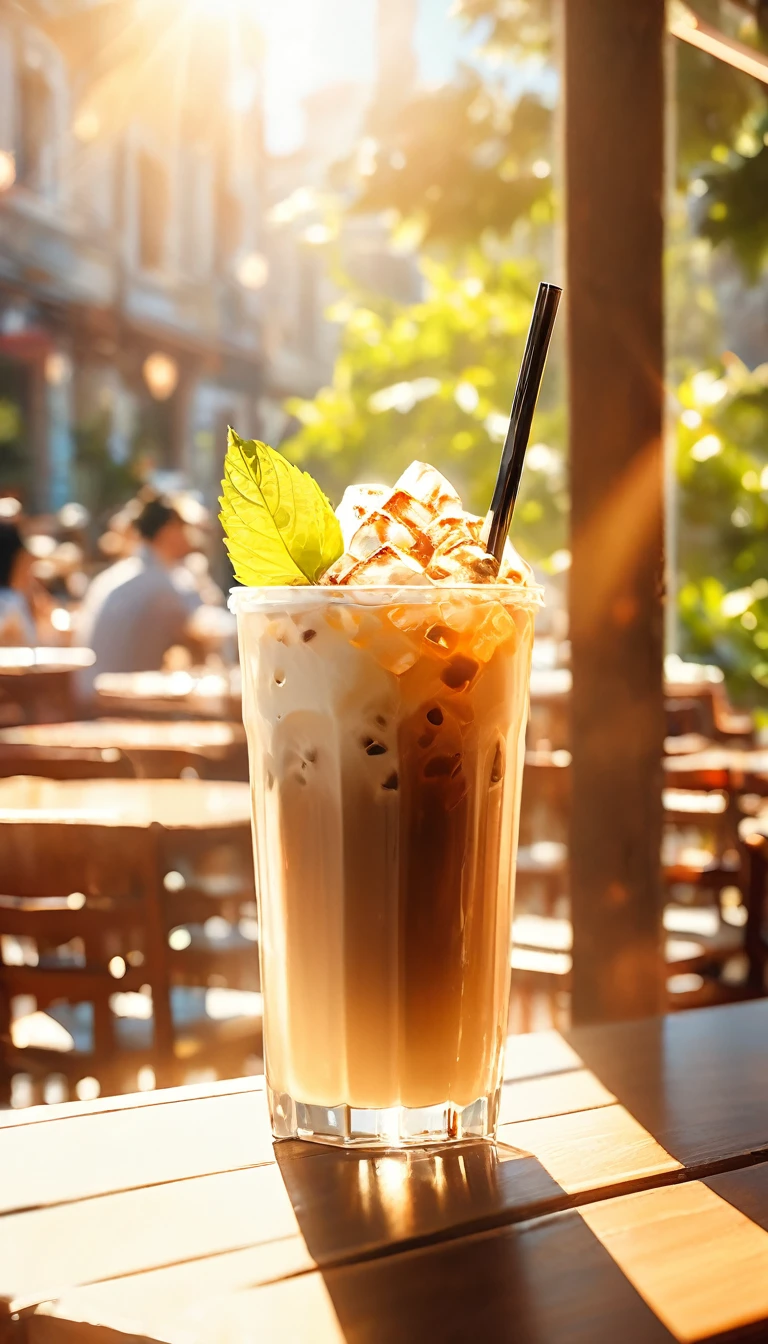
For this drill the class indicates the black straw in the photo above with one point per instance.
(521, 418)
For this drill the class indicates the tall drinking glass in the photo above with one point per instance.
(386, 739)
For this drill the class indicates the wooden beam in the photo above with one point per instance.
(690, 28)
(613, 139)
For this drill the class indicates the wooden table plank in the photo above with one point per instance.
(142, 1186)
(675, 1078)
(120, 1143)
(680, 1076)
(82, 1157)
(685, 1263)
(45, 1252)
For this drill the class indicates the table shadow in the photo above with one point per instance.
(391, 1236)
(350, 1204)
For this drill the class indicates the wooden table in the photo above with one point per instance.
(175, 805)
(201, 695)
(736, 768)
(37, 685)
(156, 748)
(626, 1200)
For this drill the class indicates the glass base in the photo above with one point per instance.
(392, 1127)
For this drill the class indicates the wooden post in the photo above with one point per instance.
(614, 152)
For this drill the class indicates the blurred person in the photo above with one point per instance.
(144, 605)
(17, 622)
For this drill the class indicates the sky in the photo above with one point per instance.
(312, 43)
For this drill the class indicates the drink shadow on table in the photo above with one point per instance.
(353, 1203)
(432, 1258)
(479, 1240)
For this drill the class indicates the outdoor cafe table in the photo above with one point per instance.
(38, 684)
(207, 695)
(626, 1200)
(146, 743)
(734, 768)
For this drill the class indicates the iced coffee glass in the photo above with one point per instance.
(386, 735)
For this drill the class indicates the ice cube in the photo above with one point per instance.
(370, 630)
(440, 639)
(357, 502)
(465, 563)
(408, 511)
(283, 630)
(458, 612)
(392, 650)
(448, 531)
(346, 619)
(409, 617)
(514, 567)
(496, 627)
(429, 487)
(386, 568)
(377, 530)
(339, 569)
(416, 517)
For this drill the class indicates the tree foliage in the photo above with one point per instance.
(722, 460)
(462, 161)
(468, 164)
(466, 159)
(434, 381)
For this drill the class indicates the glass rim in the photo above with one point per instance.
(244, 599)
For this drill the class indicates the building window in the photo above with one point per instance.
(229, 227)
(196, 208)
(153, 195)
(35, 159)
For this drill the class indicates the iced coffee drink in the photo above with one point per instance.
(385, 706)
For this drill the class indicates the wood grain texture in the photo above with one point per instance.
(67, 1160)
(178, 1218)
(683, 1263)
(614, 83)
(697, 1081)
(700, 1263)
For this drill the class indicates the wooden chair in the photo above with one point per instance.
(542, 860)
(108, 870)
(754, 838)
(701, 802)
(95, 886)
(549, 724)
(709, 711)
(687, 716)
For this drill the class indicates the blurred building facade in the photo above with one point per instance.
(310, 243)
(131, 221)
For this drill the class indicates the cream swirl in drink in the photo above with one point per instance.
(385, 708)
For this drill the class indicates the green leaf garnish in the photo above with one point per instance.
(279, 526)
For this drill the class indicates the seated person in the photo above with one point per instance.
(17, 625)
(139, 608)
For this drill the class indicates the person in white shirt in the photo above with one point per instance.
(17, 625)
(135, 611)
